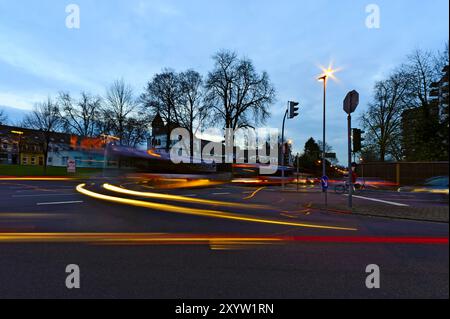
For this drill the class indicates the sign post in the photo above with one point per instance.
(71, 166)
(351, 102)
(325, 183)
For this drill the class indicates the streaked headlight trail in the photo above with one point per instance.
(200, 212)
(176, 198)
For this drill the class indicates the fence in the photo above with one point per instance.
(404, 173)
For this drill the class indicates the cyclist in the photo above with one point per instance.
(355, 177)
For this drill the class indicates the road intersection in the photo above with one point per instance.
(223, 241)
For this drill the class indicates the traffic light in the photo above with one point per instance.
(293, 109)
(357, 140)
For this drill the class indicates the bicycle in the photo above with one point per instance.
(345, 188)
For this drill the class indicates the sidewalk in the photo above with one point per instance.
(425, 212)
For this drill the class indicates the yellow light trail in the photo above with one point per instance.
(184, 183)
(176, 198)
(200, 212)
(104, 238)
(254, 193)
(152, 153)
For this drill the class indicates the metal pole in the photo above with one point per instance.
(298, 171)
(362, 173)
(282, 149)
(350, 177)
(324, 163)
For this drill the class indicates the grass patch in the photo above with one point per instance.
(20, 171)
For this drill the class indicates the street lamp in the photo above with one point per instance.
(326, 73)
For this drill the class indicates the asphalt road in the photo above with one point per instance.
(272, 246)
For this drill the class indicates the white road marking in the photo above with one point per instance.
(60, 203)
(44, 195)
(191, 195)
(381, 201)
(216, 194)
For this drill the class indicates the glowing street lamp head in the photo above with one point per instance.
(328, 72)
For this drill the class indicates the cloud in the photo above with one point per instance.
(32, 61)
(21, 100)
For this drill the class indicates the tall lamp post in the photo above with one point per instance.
(327, 73)
(324, 164)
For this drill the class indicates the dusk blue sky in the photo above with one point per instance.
(134, 39)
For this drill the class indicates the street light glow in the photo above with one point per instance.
(328, 72)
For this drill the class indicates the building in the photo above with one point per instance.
(158, 138)
(160, 133)
(21, 146)
(439, 94)
(425, 129)
(87, 152)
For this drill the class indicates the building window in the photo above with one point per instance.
(33, 160)
(25, 160)
(64, 160)
(50, 160)
(5, 146)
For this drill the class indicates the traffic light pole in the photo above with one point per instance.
(282, 148)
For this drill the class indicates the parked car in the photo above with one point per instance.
(435, 185)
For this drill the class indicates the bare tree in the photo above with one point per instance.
(383, 119)
(81, 117)
(45, 118)
(136, 130)
(3, 117)
(191, 112)
(120, 104)
(239, 96)
(422, 71)
(162, 96)
(328, 149)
